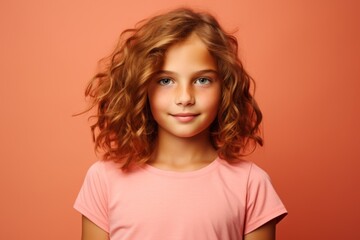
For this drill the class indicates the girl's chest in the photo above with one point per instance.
(178, 206)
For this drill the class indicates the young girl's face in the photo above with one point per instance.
(184, 96)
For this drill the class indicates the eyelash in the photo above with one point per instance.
(208, 81)
(161, 81)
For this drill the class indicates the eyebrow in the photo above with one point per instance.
(195, 73)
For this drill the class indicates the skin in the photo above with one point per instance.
(184, 99)
(265, 232)
(90, 231)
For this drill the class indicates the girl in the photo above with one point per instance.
(174, 116)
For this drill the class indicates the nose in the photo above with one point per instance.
(184, 96)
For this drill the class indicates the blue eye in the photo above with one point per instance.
(202, 81)
(165, 81)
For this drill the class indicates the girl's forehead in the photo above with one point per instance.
(190, 54)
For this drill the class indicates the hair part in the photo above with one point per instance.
(125, 130)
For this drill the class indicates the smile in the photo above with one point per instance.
(184, 117)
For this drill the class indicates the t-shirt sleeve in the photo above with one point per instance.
(263, 203)
(92, 200)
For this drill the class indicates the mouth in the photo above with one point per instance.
(185, 117)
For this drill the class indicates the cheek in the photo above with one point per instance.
(211, 100)
(158, 102)
(213, 106)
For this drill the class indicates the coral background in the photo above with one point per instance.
(304, 55)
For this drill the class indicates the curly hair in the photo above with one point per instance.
(124, 128)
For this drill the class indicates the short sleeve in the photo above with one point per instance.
(92, 200)
(263, 203)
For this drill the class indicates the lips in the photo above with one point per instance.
(184, 117)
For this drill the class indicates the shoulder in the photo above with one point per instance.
(104, 167)
(245, 173)
(102, 171)
(111, 176)
(258, 196)
(243, 167)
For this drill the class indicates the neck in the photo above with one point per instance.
(180, 153)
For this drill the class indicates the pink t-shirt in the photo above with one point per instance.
(221, 201)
